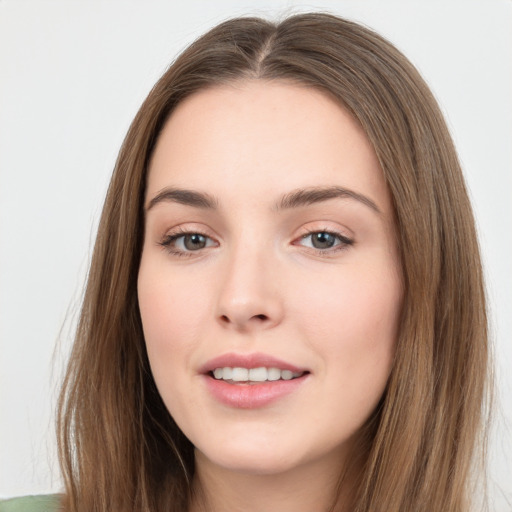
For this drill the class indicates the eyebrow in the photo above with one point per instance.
(294, 199)
(184, 196)
(307, 196)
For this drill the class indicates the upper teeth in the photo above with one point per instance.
(253, 374)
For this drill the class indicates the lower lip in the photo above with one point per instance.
(252, 396)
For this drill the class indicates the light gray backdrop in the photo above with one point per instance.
(72, 75)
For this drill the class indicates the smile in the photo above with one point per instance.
(253, 375)
(252, 381)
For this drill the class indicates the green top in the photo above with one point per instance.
(46, 503)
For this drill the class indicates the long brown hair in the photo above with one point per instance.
(120, 449)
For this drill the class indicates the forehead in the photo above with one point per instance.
(257, 138)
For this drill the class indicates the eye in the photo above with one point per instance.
(324, 240)
(192, 242)
(183, 243)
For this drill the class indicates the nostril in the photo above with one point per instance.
(261, 317)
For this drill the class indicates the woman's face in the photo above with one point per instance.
(270, 285)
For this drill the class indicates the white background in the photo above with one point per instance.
(72, 76)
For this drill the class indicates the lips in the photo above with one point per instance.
(250, 381)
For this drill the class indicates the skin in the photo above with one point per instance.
(259, 285)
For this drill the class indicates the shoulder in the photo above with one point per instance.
(43, 503)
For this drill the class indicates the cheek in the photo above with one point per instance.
(352, 321)
(173, 316)
(170, 304)
(169, 313)
(352, 303)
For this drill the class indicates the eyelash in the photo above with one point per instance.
(169, 240)
(344, 242)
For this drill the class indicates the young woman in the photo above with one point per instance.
(285, 308)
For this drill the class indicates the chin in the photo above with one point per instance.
(250, 462)
(250, 454)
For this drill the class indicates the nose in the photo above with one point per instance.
(250, 292)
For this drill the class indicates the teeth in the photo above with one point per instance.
(239, 374)
(258, 374)
(286, 375)
(274, 374)
(261, 374)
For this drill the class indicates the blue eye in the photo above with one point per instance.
(325, 240)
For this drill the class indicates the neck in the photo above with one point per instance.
(301, 489)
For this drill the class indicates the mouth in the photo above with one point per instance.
(241, 375)
(252, 381)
